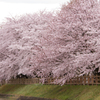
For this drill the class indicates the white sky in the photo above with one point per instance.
(12, 8)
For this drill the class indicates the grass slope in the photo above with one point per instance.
(65, 92)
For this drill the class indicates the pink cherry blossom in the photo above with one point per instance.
(48, 45)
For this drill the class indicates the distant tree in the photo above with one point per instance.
(61, 45)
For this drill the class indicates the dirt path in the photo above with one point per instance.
(32, 98)
(22, 97)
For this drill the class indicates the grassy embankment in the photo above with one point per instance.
(65, 92)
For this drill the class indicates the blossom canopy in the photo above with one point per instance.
(62, 45)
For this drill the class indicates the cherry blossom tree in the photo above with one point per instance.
(79, 27)
(48, 45)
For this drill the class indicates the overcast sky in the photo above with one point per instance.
(12, 8)
(34, 1)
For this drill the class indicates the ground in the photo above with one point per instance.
(65, 92)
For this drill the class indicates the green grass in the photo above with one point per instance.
(65, 92)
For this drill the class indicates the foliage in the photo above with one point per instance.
(61, 45)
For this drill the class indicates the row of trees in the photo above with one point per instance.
(45, 44)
